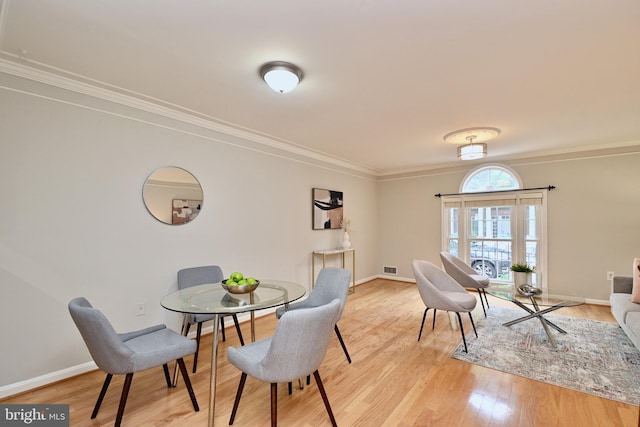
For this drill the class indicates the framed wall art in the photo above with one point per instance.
(327, 209)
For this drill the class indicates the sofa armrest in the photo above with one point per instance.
(622, 284)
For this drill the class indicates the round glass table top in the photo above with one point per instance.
(212, 298)
(547, 298)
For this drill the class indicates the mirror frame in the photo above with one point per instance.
(172, 195)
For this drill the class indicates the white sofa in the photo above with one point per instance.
(627, 313)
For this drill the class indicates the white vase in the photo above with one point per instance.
(346, 244)
(521, 278)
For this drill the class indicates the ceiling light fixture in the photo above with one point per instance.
(475, 148)
(281, 76)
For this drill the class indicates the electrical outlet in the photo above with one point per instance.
(609, 275)
(140, 309)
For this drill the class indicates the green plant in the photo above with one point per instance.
(521, 268)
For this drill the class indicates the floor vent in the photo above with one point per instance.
(390, 270)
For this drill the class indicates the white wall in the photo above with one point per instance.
(592, 216)
(73, 222)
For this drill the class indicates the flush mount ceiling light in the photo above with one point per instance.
(475, 148)
(281, 76)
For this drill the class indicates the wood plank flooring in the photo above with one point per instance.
(394, 380)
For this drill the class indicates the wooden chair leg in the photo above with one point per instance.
(243, 378)
(187, 382)
(316, 375)
(274, 404)
(105, 386)
(235, 321)
(195, 355)
(123, 398)
(165, 367)
(344, 347)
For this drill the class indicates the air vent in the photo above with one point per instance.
(390, 270)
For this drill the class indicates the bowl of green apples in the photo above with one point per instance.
(237, 283)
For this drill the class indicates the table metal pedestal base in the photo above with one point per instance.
(537, 313)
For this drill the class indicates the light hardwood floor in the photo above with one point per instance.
(394, 380)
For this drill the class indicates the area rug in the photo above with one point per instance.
(593, 357)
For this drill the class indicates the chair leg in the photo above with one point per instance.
(424, 317)
(165, 367)
(290, 387)
(243, 378)
(433, 325)
(105, 386)
(274, 404)
(316, 375)
(344, 347)
(195, 355)
(187, 382)
(484, 292)
(464, 340)
(473, 324)
(482, 302)
(235, 321)
(123, 398)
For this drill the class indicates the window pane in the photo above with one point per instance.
(453, 247)
(530, 222)
(491, 222)
(491, 258)
(491, 178)
(453, 222)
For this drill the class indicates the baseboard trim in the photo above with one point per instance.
(46, 379)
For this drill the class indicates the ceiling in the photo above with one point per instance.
(384, 81)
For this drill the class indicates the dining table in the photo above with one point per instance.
(213, 298)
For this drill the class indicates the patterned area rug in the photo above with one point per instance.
(593, 357)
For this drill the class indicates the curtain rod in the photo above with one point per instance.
(550, 187)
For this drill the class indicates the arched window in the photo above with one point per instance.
(494, 222)
(490, 178)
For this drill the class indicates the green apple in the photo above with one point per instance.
(236, 276)
(242, 282)
(251, 280)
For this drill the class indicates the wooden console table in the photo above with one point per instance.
(329, 252)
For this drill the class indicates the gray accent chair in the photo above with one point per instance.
(194, 276)
(440, 292)
(296, 349)
(129, 352)
(331, 283)
(466, 276)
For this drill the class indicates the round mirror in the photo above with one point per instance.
(172, 195)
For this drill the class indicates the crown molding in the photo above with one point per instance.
(60, 79)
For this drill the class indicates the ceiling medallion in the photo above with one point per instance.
(473, 140)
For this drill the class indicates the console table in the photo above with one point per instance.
(330, 252)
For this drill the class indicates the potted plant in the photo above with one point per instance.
(521, 273)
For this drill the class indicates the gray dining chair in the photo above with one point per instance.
(130, 352)
(331, 283)
(466, 276)
(194, 276)
(440, 292)
(296, 349)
